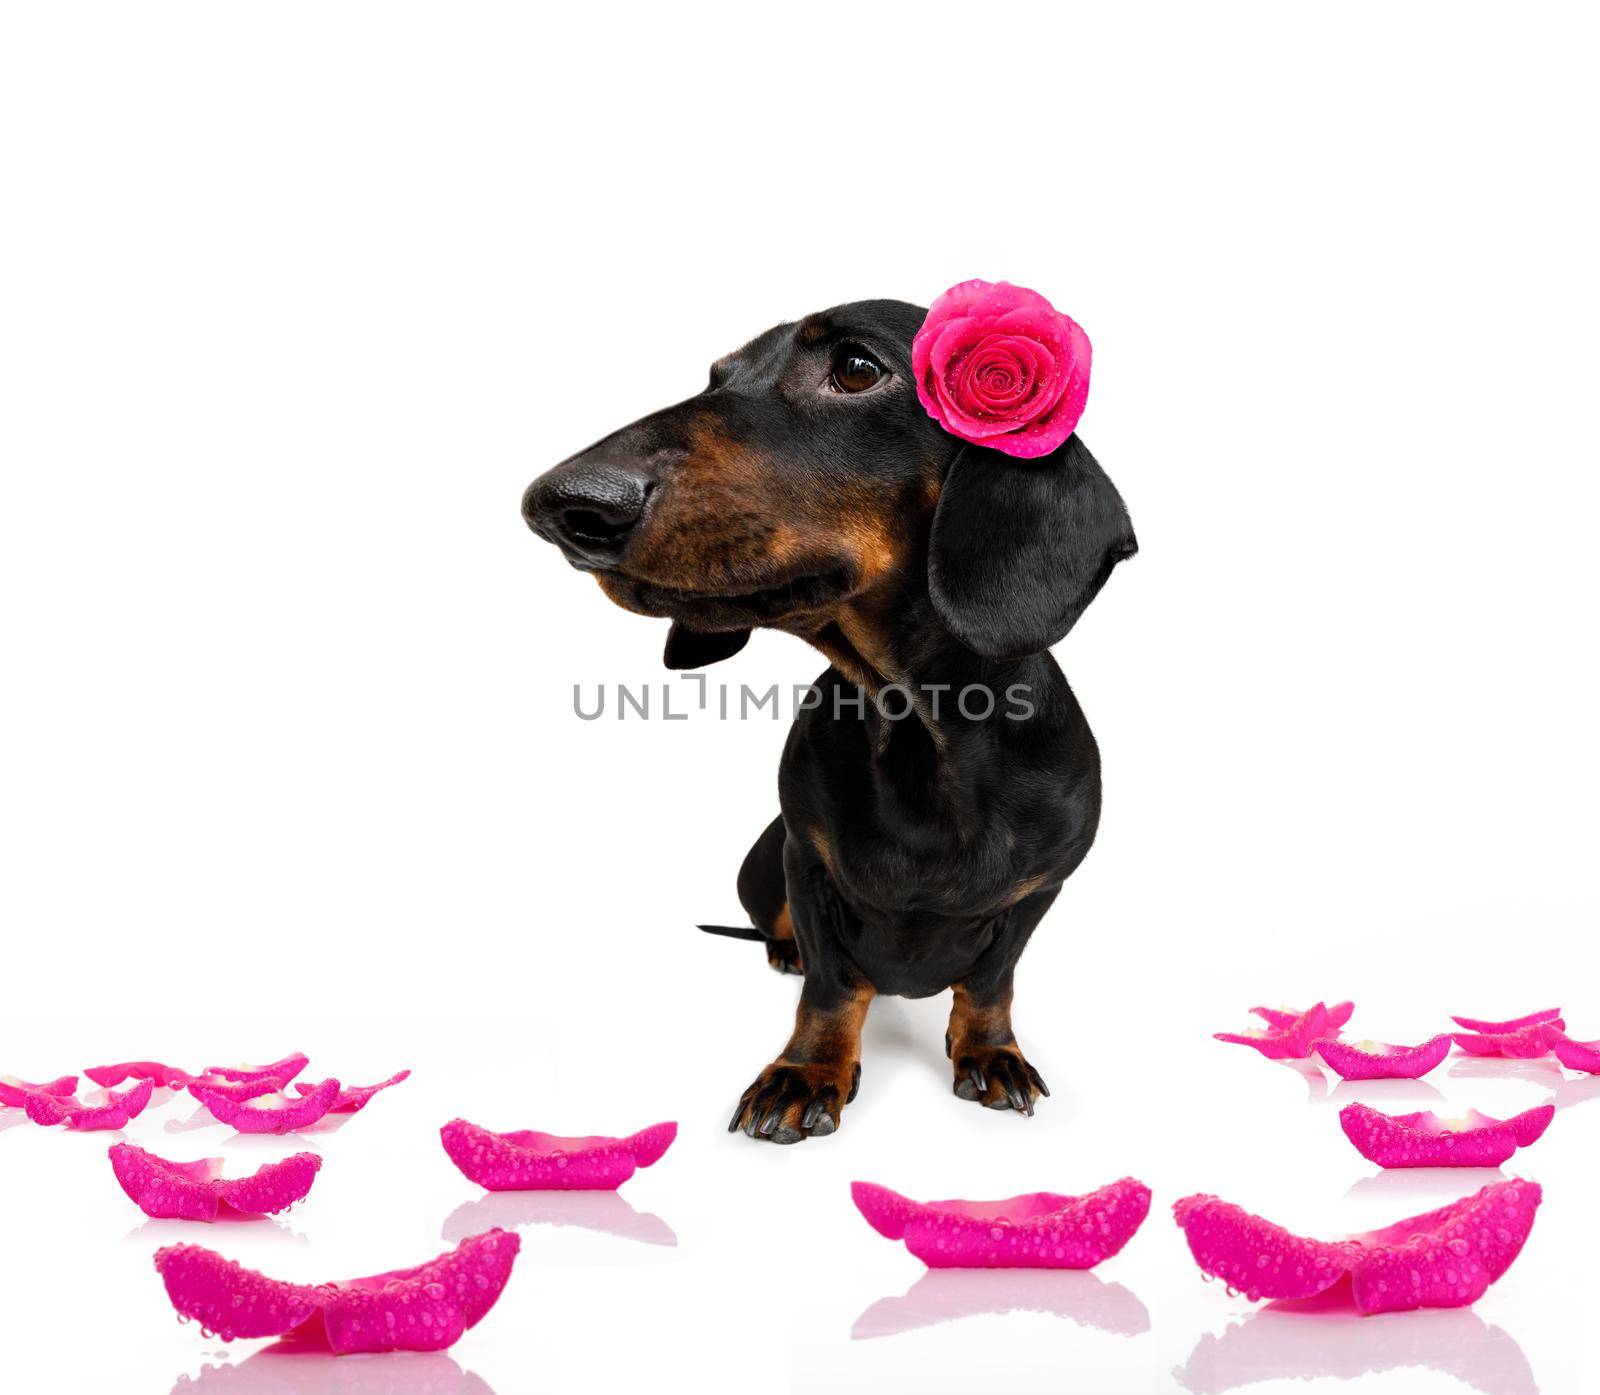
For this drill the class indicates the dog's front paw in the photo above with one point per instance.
(997, 1077)
(785, 1103)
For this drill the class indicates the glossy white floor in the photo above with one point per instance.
(295, 301)
(746, 1262)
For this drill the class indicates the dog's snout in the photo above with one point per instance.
(587, 508)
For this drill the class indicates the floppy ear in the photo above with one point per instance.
(689, 649)
(1020, 547)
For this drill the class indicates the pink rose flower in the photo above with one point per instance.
(999, 366)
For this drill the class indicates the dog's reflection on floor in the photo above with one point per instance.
(945, 1295)
(606, 1212)
(288, 1370)
(1278, 1344)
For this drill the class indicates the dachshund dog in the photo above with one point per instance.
(944, 783)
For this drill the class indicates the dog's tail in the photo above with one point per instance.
(734, 932)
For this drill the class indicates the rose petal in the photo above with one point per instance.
(1028, 365)
(237, 1090)
(947, 354)
(14, 1093)
(1577, 1055)
(1427, 1140)
(887, 1212)
(354, 1098)
(1280, 1018)
(528, 1160)
(282, 1071)
(1425, 1272)
(1528, 1126)
(1048, 431)
(115, 1113)
(1443, 1259)
(1062, 345)
(973, 298)
(168, 1077)
(960, 341)
(279, 1118)
(422, 1309)
(273, 1187)
(1495, 1220)
(1522, 1043)
(1383, 1060)
(1291, 1043)
(1040, 1230)
(228, 1299)
(1511, 1024)
(196, 1191)
(1251, 1254)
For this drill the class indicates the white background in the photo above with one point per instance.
(295, 299)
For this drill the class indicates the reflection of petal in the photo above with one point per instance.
(328, 1123)
(271, 1144)
(283, 1370)
(260, 1229)
(1576, 1091)
(1420, 1189)
(1273, 1345)
(944, 1295)
(1541, 1071)
(202, 1118)
(1386, 1092)
(1311, 1073)
(10, 1118)
(607, 1212)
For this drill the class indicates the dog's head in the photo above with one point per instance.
(806, 477)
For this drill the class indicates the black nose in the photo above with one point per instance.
(587, 508)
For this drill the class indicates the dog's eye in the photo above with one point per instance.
(855, 370)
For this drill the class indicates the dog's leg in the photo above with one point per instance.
(989, 1065)
(817, 1073)
(803, 1092)
(765, 898)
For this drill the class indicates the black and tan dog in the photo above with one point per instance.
(807, 490)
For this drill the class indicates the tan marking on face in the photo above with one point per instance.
(812, 333)
(786, 545)
(712, 528)
(875, 552)
(616, 592)
(728, 520)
